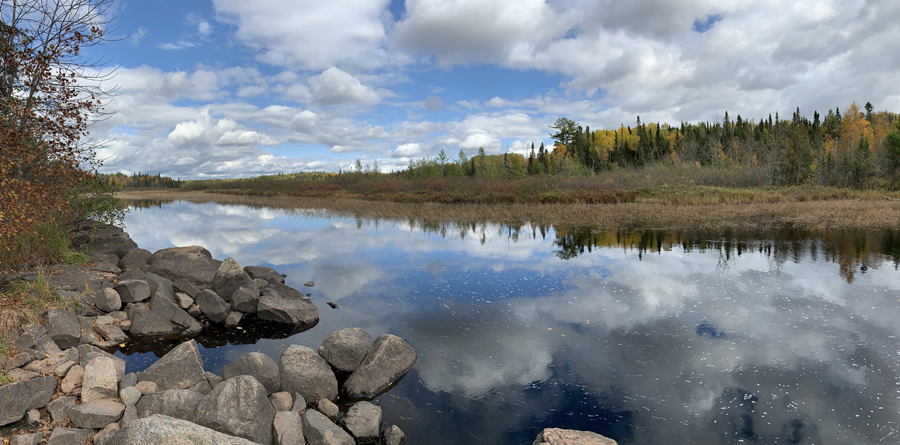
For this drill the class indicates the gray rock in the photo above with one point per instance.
(558, 436)
(299, 404)
(185, 286)
(130, 415)
(274, 306)
(107, 299)
(31, 337)
(145, 321)
(318, 430)
(164, 430)
(180, 368)
(85, 353)
(202, 387)
(147, 387)
(233, 319)
(213, 306)
(104, 320)
(17, 361)
(245, 299)
(194, 329)
(111, 333)
(18, 397)
(258, 365)
(196, 268)
(133, 274)
(130, 395)
(281, 401)
(288, 428)
(26, 439)
(239, 407)
(74, 378)
(118, 245)
(70, 436)
(125, 325)
(105, 436)
(264, 273)
(194, 311)
(33, 417)
(134, 259)
(63, 368)
(129, 379)
(63, 328)
(163, 304)
(100, 380)
(388, 360)
(184, 300)
(95, 414)
(20, 375)
(393, 435)
(309, 284)
(161, 285)
(363, 421)
(229, 277)
(261, 284)
(119, 315)
(344, 349)
(304, 372)
(76, 278)
(213, 379)
(173, 252)
(107, 266)
(177, 403)
(59, 408)
(132, 291)
(329, 409)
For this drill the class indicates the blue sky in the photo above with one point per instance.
(235, 88)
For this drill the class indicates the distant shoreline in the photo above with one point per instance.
(876, 212)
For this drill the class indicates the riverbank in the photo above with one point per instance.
(839, 209)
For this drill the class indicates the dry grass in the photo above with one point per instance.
(677, 208)
(23, 302)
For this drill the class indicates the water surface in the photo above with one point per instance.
(646, 337)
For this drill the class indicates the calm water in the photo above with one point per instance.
(648, 338)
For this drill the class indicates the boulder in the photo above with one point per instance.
(111, 332)
(70, 436)
(393, 435)
(180, 368)
(20, 375)
(229, 277)
(233, 319)
(135, 259)
(264, 273)
(26, 439)
(329, 409)
(118, 245)
(147, 387)
(213, 379)
(281, 401)
(261, 284)
(107, 266)
(130, 395)
(213, 306)
(273, 306)
(59, 408)
(172, 252)
(160, 285)
(145, 321)
(17, 361)
(299, 404)
(18, 397)
(184, 300)
(558, 436)
(202, 387)
(164, 305)
(287, 428)
(196, 268)
(239, 407)
(107, 299)
(319, 430)
(63, 328)
(100, 380)
(95, 414)
(32, 337)
(132, 291)
(344, 349)
(388, 359)
(76, 278)
(185, 286)
(104, 437)
(130, 415)
(177, 403)
(63, 368)
(258, 365)
(304, 372)
(127, 380)
(363, 421)
(164, 430)
(73, 379)
(245, 299)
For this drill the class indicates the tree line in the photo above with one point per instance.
(121, 180)
(854, 148)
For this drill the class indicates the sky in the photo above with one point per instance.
(237, 88)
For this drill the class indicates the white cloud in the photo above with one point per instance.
(337, 87)
(407, 150)
(138, 35)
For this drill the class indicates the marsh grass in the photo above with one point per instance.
(23, 302)
(47, 244)
(713, 208)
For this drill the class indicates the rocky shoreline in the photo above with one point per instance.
(68, 389)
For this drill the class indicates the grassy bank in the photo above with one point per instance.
(677, 208)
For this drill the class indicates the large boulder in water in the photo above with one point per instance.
(286, 305)
(345, 349)
(240, 407)
(258, 365)
(306, 373)
(163, 430)
(388, 359)
(559, 436)
(197, 268)
(171, 252)
(213, 306)
(230, 277)
(180, 368)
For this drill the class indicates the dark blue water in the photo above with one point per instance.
(645, 337)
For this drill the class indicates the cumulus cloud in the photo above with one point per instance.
(407, 150)
(337, 87)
